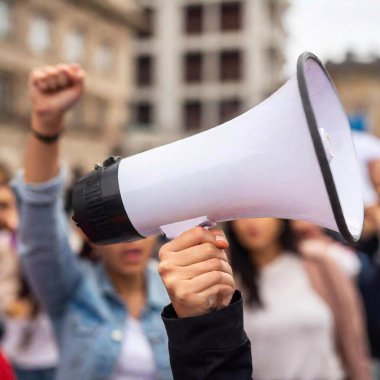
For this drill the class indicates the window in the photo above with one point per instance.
(149, 25)
(228, 109)
(231, 16)
(193, 67)
(5, 19)
(74, 46)
(103, 57)
(230, 66)
(144, 68)
(40, 34)
(193, 19)
(144, 114)
(5, 94)
(193, 115)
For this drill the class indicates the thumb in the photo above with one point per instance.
(220, 239)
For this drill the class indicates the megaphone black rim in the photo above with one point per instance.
(318, 144)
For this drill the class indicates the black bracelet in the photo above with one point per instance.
(47, 139)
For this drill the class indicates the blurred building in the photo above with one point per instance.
(358, 85)
(202, 62)
(95, 33)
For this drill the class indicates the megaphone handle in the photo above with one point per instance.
(171, 231)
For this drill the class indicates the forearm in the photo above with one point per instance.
(41, 159)
(46, 256)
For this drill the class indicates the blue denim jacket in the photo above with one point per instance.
(88, 316)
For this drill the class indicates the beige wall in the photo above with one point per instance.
(112, 88)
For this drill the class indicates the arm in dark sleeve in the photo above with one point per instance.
(213, 346)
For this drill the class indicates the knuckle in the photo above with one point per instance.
(229, 280)
(199, 233)
(164, 268)
(216, 264)
(182, 295)
(209, 249)
(217, 276)
(161, 268)
(169, 284)
(162, 253)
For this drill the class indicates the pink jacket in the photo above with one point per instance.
(338, 291)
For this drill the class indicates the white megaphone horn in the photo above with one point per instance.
(290, 157)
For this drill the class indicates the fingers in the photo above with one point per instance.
(53, 78)
(192, 255)
(217, 296)
(197, 236)
(207, 280)
(182, 289)
(171, 273)
(212, 265)
(195, 271)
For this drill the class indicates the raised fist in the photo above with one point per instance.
(196, 272)
(54, 90)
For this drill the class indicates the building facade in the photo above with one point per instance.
(358, 85)
(202, 62)
(98, 35)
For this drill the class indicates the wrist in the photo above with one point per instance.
(47, 124)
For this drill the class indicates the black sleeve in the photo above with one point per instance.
(211, 347)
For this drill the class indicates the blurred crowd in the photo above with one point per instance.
(311, 300)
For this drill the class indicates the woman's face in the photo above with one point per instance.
(258, 233)
(127, 258)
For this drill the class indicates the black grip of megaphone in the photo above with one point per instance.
(98, 208)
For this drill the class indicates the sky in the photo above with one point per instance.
(330, 28)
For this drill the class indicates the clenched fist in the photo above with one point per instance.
(53, 91)
(196, 273)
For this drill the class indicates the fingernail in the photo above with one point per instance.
(220, 238)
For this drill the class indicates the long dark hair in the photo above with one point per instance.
(246, 271)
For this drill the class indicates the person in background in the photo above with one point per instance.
(106, 316)
(369, 280)
(8, 285)
(27, 340)
(6, 372)
(368, 151)
(369, 277)
(301, 311)
(8, 226)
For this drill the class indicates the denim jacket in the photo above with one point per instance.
(89, 318)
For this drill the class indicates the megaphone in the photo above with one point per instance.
(290, 157)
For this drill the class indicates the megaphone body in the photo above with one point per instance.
(290, 157)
